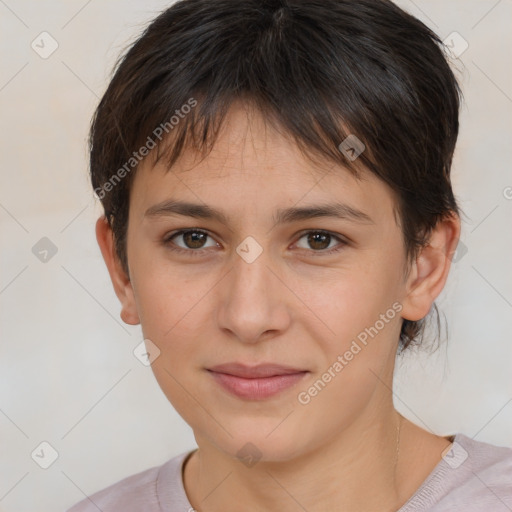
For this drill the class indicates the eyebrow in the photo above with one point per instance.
(172, 207)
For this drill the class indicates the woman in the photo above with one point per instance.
(279, 218)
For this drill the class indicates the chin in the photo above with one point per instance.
(255, 441)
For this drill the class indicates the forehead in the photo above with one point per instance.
(256, 163)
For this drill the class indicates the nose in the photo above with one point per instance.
(253, 301)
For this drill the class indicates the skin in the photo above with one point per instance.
(293, 305)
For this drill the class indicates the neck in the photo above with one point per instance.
(364, 458)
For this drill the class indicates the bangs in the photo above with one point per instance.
(199, 130)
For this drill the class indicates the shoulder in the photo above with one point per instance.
(473, 476)
(486, 469)
(137, 492)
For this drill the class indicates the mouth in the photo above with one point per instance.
(256, 382)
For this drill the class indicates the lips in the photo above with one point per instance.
(256, 382)
(254, 372)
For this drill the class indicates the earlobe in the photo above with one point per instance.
(430, 271)
(121, 282)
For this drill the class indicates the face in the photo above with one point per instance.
(321, 295)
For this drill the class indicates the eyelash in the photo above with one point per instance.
(199, 252)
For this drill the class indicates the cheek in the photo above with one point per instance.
(347, 301)
(174, 318)
(354, 357)
(170, 305)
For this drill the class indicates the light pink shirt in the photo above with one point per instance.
(472, 477)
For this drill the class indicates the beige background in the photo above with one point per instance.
(68, 375)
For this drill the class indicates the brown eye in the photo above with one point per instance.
(194, 239)
(191, 239)
(320, 241)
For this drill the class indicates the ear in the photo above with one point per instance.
(429, 272)
(121, 282)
